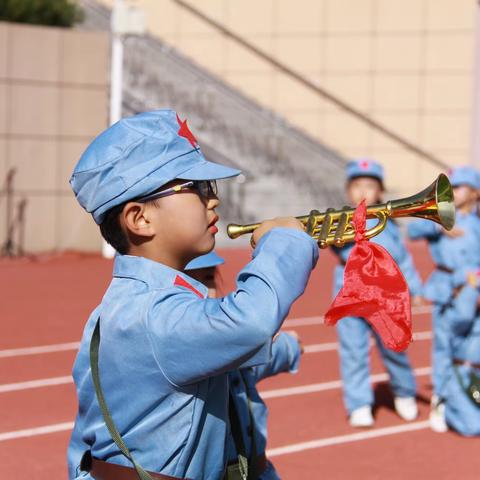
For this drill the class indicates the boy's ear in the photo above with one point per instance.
(136, 220)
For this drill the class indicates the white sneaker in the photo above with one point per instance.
(362, 417)
(437, 415)
(406, 408)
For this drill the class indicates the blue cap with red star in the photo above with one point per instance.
(135, 157)
(464, 175)
(364, 168)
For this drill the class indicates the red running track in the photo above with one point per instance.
(45, 302)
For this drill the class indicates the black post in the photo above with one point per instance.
(8, 246)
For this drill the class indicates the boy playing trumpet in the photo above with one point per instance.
(165, 349)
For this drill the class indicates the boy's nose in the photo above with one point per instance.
(213, 202)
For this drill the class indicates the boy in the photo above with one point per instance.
(365, 181)
(450, 250)
(249, 436)
(462, 399)
(165, 350)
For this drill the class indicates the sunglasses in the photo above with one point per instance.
(205, 188)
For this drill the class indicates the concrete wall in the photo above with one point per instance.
(53, 101)
(407, 64)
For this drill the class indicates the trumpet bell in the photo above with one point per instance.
(434, 203)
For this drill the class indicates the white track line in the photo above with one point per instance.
(333, 385)
(53, 381)
(303, 321)
(32, 432)
(318, 320)
(352, 437)
(321, 347)
(64, 347)
(58, 347)
(333, 346)
(43, 382)
(281, 392)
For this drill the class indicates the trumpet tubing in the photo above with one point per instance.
(334, 227)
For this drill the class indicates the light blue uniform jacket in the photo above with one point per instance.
(463, 320)
(165, 353)
(452, 253)
(285, 358)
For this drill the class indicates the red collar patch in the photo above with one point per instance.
(185, 132)
(181, 282)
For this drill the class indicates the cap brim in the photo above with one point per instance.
(363, 175)
(209, 260)
(209, 171)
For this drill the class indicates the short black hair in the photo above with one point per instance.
(112, 230)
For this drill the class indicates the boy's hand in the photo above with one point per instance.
(454, 233)
(267, 225)
(418, 301)
(296, 336)
(472, 279)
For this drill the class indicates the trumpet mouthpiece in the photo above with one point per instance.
(234, 230)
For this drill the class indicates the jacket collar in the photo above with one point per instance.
(155, 274)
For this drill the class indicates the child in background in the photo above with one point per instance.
(365, 181)
(250, 433)
(450, 250)
(462, 315)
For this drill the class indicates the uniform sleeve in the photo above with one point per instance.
(405, 263)
(463, 311)
(195, 338)
(342, 253)
(76, 449)
(423, 229)
(285, 357)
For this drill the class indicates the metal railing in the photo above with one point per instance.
(317, 89)
(284, 166)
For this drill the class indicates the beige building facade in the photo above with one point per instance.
(53, 101)
(408, 65)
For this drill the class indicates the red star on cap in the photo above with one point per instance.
(185, 132)
(364, 165)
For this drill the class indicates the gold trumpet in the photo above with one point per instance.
(334, 227)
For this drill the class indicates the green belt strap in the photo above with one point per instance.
(117, 438)
(236, 428)
(253, 464)
(248, 467)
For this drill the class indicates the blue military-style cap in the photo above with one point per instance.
(464, 175)
(135, 157)
(365, 168)
(205, 261)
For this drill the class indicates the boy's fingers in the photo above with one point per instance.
(312, 222)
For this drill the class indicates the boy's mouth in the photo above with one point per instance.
(211, 226)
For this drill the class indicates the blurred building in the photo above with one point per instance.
(408, 65)
(53, 101)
